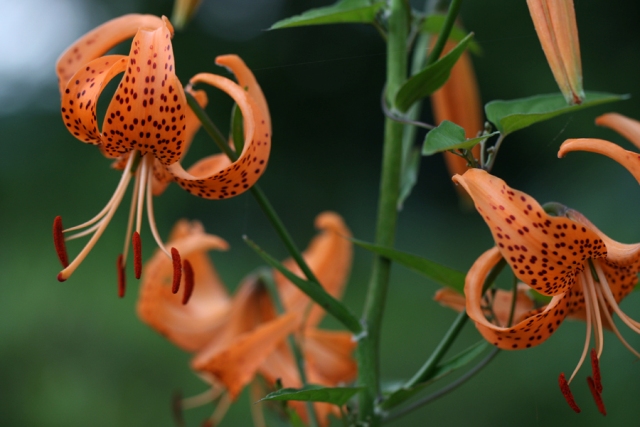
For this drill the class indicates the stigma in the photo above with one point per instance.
(139, 168)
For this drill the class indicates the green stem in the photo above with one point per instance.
(369, 343)
(430, 365)
(257, 193)
(267, 278)
(444, 32)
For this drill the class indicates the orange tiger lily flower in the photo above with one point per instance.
(567, 257)
(235, 339)
(458, 101)
(555, 23)
(148, 127)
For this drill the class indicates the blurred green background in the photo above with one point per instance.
(73, 354)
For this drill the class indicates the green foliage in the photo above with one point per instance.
(409, 175)
(343, 12)
(430, 79)
(516, 114)
(434, 271)
(449, 136)
(314, 393)
(458, 361)
(434, 23)
(237, 129)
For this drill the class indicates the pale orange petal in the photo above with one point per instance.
(192, 325)
(625, 126)
(529, 332)
(329, 257)
(628, 159)
(544, 251)
(329, 357)
(99, 41)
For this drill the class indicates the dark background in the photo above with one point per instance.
(73, 354)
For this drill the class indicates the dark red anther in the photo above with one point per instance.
(58, 242)
(595, 368)
(122, 279)
(61, 278)
(176, 409)
(177, 270)
(596, 396)
(566, 392)
(137, 255)
(188, 281)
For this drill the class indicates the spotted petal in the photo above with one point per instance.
(628, 159)
(545, 252)
(99, 41)
(192, 325)
(220, 182)
(534, 329)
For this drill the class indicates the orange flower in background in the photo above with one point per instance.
(568, 258)
(235, 339)
(555, 23)
(458, 101)
(148, 127)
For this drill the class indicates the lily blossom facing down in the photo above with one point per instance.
(148, 127)
(555, 23)
(235, 339)
(568, 258)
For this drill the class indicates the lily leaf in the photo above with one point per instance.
(314, 393)
(433, 24)
(344, 11)
(431, 78)
(409, 175)
(439, 273)
(456, 362)
(314, 290)
(449, 136)
(516, 114)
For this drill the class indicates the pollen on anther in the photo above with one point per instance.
(137, 254)
(177, 270)
(58, 241)
(188, 281)
(122, 280)
(596, 396)
(566, 392)
(595, 368)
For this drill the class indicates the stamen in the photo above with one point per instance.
(605, 311)
(606, 291)
(150, 216)
(595, 368)
(176, 408)
(566, 392)
(596, 396)
(588, 309)
(122, 278)
(58, 242)
(143, 171)
(137, 255)
(597, 320)
(188, 281)
(132, 213)
(177, 270)
(201, 399)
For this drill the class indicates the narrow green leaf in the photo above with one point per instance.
(516, 114)
(449, 136)
(344, 11)
(431, 78)
(458, 361)
(315, 393)
(433, 24)
(315, 291)
(436, 272)
(409, 175)
(237, 129)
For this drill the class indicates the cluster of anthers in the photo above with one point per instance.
(147, 129)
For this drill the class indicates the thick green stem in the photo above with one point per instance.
(369, 343)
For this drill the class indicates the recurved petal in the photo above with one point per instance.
(148, 110)
(189, 326)
(99, 41)
(534, 329)
(329, 356)
(628, 159)
(236, 365)
(329, 257)
(80, 96)
(239, 176)
(544, 251)
(625, 126)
